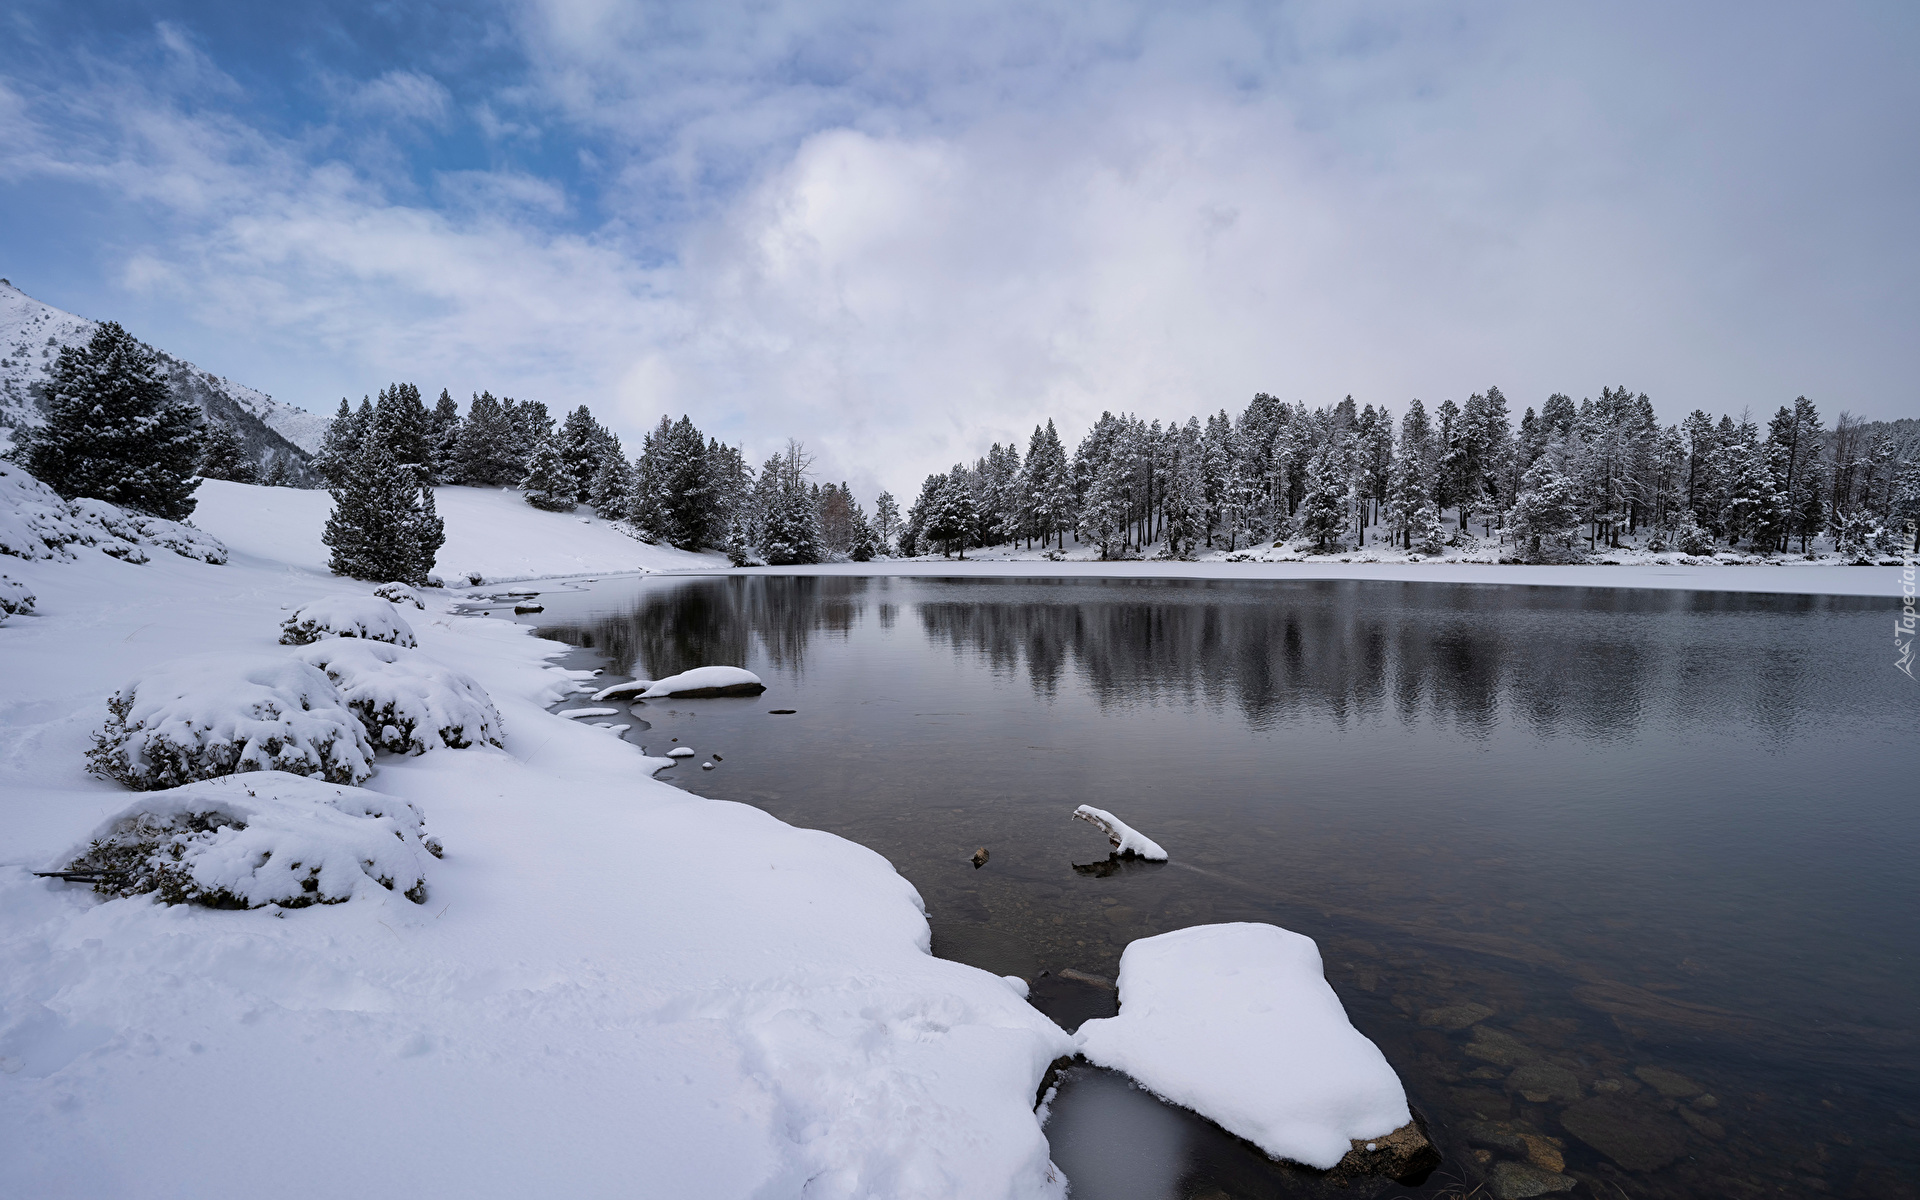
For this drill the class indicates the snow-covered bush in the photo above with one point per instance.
(407, 703)
(258, 839)
(367, 617)
(221, 714)
(399, 594)
(14, 597)
(36, 523)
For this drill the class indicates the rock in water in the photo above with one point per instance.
(1636, 1138)
(979, 858)
(1406, 1155)
(1519, 1181)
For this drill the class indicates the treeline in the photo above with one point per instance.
(1338, 476)
(683, 488)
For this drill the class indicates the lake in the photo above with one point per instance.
(1620, 881)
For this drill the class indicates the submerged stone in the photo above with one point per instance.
(1521, 1181)
(1638, 1139)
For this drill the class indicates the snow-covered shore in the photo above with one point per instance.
(614, 987)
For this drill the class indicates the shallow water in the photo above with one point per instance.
(1647, 830)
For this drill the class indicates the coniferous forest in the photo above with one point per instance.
(1559, 483)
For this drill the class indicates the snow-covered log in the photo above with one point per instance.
(257, 839)
(14, 597)
(399, 595)
(220, 714)
(1127, 841)
(407, 703)
(367, 617)
(703, 682)
(1237, 1023)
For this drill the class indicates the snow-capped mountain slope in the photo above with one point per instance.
(31, 334)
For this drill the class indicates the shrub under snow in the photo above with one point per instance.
(408, 703)
(221, 714)
(14, 597)
(399, 594)
(258, 839)
(367, 617)
(36, 523)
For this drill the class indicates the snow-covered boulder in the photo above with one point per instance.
(220, 714)
(1237, 1023)
(367, 617)
(14, 597)
(257, 839)
(702, 682)
(1127, 842)
(399, 595)
(407, 703)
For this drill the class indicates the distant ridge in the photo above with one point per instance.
(32, 332)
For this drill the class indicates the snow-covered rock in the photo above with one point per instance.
(258, 839)
(104, 524)
(1127, 841)
(399, 594)
(680, 752)
(220, 714)
(367, 617)
(407, 702)
(623, 691)
(577, 713)
(1237, 1023)
(14, 597)
(706, 681)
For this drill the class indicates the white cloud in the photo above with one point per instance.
(401, 96)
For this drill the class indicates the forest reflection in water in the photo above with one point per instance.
(1642, 827)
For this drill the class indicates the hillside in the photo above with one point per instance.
(31, 334)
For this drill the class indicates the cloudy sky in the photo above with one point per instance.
(903, 232)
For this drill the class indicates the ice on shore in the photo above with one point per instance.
(1237, 1023)
(1125, 839)
(577, 713)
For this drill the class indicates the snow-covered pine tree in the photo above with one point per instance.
(443, 441)
(339, 446)
(223, 457)
(1545, 515)
(579, 444)
(383, 525)
(737, 546)
(1756, 505)
(886, 521)
(546, 483)
(532, 426)
(112, 432)
(278, 474)
(791, 533)
(608, 493)
(1186, 502)
(1322, 517)
(402, 419)
(681, 487)
(488, 445)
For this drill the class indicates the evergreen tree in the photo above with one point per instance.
(223, 457)
(1756, 507)
(1545, 512)
(443, 441)
(683, 493)
(340, 445)
(609, 492)
(737, 546)
(383, 525)
(403, 423)
(580, 444)
(546, 483)
(278, 475)
(791, 533)
(886, 520)
(486, 447)
(532, 426)
(112, 432)
(1323, 511)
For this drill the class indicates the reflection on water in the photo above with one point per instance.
(1549, 839)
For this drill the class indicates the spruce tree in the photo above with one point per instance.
(403, 420)
(223, 457)
(578, 443)
(547, 484)
(1545, 511)
(339, 446)
(112, 432)
(608, 491)
(487, 445)
(886, 520)
(1322, 516)
(383, 525)
(443, 441)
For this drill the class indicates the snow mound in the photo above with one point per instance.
(14, 597)
(1127, 841)
(36, 523)
(267, 838)
(618, 691)
(1237, 1023)
(398, 594)
(680, 752)
(367, 617)
(407, 703)
(577, 713)
(220, 714)
(706, 681)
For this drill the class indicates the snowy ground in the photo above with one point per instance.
(614, 987)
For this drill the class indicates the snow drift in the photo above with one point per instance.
(1237, 1023)
(367, 617)
(218, 714)
(399, 594)
(407, 703)
(266, 838)
(35, 523)
(14, 597)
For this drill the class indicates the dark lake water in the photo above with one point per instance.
(1559, 846)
